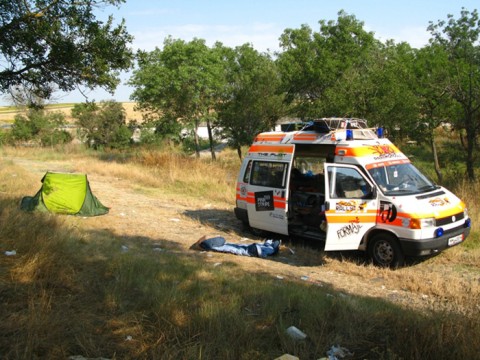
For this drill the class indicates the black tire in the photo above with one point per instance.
(385, 251)
(258, 232)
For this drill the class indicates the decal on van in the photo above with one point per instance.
(277, 216)
(352, 228)
(439, 202)
(388, 211)
(349, 206)
(271, 151)
(264, 201)
(378, 151)
(243, 191)
(382, 152)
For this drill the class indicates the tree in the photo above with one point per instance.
(60, 44)
(459, 37)
(40, 126)
(182, 82)
(102, 125)
(314, 62)
(251, 101)
(435, 106)
(390, 101)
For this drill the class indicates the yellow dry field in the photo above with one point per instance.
(7, 114)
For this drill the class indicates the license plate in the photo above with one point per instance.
(455, 240)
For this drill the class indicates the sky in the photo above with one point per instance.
(261, 22)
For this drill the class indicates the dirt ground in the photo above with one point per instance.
(143, 215)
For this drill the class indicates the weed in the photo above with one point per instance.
(72, 290)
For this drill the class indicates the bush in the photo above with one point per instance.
(41, 127)
(103, 125)
(57, 137)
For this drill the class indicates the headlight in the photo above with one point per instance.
(422, 223)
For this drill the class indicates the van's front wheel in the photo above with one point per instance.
(385, 251)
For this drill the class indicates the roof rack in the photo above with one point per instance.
(326, 125)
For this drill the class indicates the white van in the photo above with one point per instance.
(340, 182)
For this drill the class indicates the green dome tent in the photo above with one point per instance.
(65, 193)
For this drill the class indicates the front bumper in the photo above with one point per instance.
(423, 247)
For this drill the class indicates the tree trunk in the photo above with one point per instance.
(239, 152)
(210, 139)
(197, 141)
(470, 159)
(435, 158)
(470, 128)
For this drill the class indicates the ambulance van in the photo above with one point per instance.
(338, 181)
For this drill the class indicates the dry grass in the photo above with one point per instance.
(70, 290)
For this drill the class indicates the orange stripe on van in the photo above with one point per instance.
(398, 221)
(305, 137)
(276, 137)
(279, 202)
(240, 197)
(387, 163)
(271, 149)
(334, 217)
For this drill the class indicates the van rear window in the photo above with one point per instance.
(269, 174)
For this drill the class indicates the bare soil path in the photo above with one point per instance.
(154, 216)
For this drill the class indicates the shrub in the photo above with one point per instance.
(40, 126)
(102, 125)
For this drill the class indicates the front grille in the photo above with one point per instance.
(449, 219)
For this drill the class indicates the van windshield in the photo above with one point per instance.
(401, 179)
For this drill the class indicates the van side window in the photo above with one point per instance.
(246, 176)
(347, 183)
(268, 173)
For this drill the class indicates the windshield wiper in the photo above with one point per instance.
(428, 187)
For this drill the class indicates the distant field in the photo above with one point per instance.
(7, 113)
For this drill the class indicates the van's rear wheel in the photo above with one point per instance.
(385, 251)
(258, 232)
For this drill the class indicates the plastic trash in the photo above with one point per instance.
(10, 253)
(338, 352)
(296, 334)
(287, 357)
